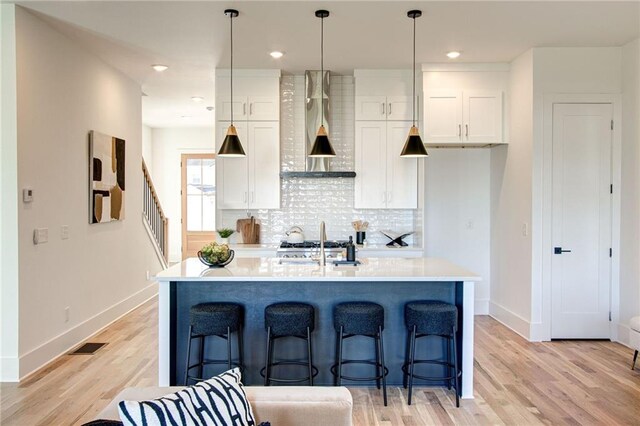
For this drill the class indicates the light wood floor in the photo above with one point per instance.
(516, 382)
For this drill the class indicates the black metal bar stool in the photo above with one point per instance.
(352, 319)
(214, 319)
(431, 318)
(288, 319)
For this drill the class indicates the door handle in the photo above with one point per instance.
(389, 108)
(559, 250)
(466, 130)
(251, 108)
(244, 108)
(245, 197)
(459, 130)
(382, 108)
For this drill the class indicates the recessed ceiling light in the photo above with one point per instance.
(453, 54)
(159, 67)
(197, 98)
(276, 55)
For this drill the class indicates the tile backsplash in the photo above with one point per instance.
(307, 201)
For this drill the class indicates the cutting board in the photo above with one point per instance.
(250, 230)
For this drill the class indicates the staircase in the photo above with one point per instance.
(155, 221)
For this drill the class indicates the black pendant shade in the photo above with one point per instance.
(414, 147)
(321, 146)
(231, 147)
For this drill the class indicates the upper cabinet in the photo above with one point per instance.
(465, 104)
(383, 115)
(253, 181)
(458, 117)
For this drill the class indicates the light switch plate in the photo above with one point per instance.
(27, 195)
(40, 235)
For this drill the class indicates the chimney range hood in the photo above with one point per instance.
(314, 101)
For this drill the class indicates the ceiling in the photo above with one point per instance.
(192, 38)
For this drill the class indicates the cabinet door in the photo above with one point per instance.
(223, 109)
(263, 108)
(264, 158)
(443, 117)
(370, 165)
(402, 173)
(371, 107)
(399, 108)
(232, 174)
(482, 114)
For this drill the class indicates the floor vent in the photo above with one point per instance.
(87, 349)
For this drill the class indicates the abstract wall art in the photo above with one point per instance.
(106, 178)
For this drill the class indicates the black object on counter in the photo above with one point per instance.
(351, 250)
(360, 237)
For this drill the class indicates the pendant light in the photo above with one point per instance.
(414, 147)
(322, 147)
(231, 146)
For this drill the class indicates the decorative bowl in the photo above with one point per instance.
(216, 265)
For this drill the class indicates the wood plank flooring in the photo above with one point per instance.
(516, 382)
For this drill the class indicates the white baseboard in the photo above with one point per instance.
(9, 369)
(623, 334)
(538, 333)
(510, 319)
(481, 307)
(44, 354)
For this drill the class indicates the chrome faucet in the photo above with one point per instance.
(323, 238)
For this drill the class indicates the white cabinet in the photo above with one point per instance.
(383, 108)
(463, 117)
(251, 182)
(384, 180)
(252, 108)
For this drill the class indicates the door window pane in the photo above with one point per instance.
(209, 213)
(194, 213)
(194, 176)
(201, 191)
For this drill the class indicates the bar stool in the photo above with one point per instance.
(431, 318)
(288, 319)
(214, 319)
(352, 319)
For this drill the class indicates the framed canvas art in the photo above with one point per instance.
(106, 178)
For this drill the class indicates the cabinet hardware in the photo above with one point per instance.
(384, 197)
(251, 108)
(245, 197)
(389, 196)
(382, 108)
(244, 108)
(466, 130)
(252, 196)
(389, 108)
(459, 130)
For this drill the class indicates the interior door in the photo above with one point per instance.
(198, 202)
(581, 227)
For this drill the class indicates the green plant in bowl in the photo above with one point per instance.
(225, 232)
(214, 254)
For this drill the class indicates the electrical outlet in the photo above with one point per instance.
(40, 235)
(66, 314)
(525, 229)
(148, 275)
(64, 232)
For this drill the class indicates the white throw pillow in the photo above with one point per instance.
(218, 401)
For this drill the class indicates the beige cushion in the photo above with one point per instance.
(634, 324)
(282, 406)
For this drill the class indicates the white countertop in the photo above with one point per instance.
(270, 269)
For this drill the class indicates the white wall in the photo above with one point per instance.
(511, 206)
(630, 189)
(147, 147)
(167, 147)
(457, 213)
(9, 191)
(99, 272)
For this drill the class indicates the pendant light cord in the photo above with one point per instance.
(231, 26)
(413, 111)
(322, 68)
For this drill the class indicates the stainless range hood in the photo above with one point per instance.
(314, 101)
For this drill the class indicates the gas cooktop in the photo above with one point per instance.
(313, 244)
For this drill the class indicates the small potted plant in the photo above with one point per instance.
(225, 233)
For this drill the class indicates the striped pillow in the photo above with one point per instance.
(218, 401)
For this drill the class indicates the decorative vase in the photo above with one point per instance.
(224, 240)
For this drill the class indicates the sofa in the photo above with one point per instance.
(281, 405)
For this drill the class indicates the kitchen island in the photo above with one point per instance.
(258, 282)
